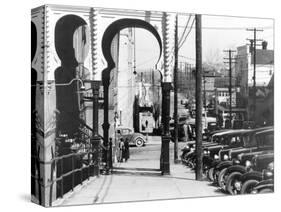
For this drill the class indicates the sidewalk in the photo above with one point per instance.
(128, 183)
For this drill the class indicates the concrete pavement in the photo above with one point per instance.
(139, 179)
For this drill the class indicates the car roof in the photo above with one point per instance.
(121, 127)
(233, 132)
(265, 131)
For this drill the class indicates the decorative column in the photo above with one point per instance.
(106, 125)
(168, 32)
(95, 85)
(165, 138)
(95, 140)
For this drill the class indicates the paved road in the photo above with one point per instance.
(149, 155)
(139, 179)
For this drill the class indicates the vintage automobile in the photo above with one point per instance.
(228, 139)
(136, 139)
(190, 145)
(188, 154)
(182, 133)
(247, 146)
(219, 141)
(267, 183)
(244, 142)
(242, 181)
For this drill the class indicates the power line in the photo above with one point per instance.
(180, 40)
(229, 28)
(187, 33)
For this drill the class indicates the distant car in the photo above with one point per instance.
(136, 139)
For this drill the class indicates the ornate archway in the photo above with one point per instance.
(103, 24)
(107, 39)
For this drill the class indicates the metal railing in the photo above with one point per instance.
(65, 168)
(59, 163)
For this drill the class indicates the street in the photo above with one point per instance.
(139, 179)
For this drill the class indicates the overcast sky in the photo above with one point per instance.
(218, 33)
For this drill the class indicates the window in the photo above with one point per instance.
(265, 140)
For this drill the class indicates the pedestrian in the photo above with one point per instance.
(121, 150)
(127, 149)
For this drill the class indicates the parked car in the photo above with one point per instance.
(190, 145)
(243, 142)
(267, 183)
(239, 157)
(243, 181)
(136, 139)
(188, 150)
(211, 150)
(246, 146)
(227, 139)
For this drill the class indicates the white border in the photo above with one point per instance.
(15, 103)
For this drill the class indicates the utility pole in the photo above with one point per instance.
(253, 51)
(176, 159)
(230, 82)
(198, 151)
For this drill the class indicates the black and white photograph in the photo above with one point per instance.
(140, 105)
(137, 105)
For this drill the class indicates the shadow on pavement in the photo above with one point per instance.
(136, 169)
(144, 174)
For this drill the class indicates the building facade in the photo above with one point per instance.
(245, 78)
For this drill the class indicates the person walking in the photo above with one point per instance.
(127, 149)
(121, 150)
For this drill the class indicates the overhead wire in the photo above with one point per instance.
(180, 40)
(187, 33)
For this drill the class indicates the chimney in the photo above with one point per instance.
(264, 45)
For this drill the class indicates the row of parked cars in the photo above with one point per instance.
(239, 161)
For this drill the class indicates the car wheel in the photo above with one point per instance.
(210, 174)
(233, 184)
(221, 179)
(139, 142)
(265, 190)
(248, 186)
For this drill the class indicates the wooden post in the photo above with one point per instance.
(199, 156)
(176, 159)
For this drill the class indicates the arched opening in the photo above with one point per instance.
(67, 98)
(72, 46)
(110, 34)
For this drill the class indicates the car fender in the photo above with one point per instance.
(138, 135)
(236, 168)
(265, 184)
(144, 140)
(223, 164)
(253, 175)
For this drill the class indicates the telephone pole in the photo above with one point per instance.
(176, 159)
(230, 58)
(198, 121)
(253, 52)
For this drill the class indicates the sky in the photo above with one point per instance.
(219, 33)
